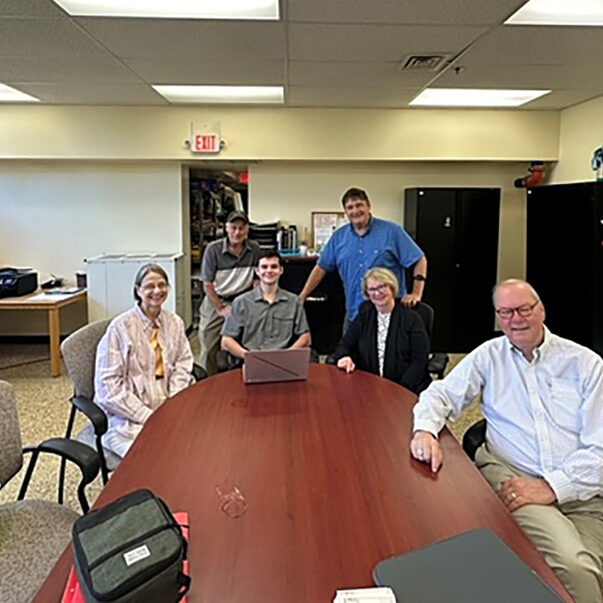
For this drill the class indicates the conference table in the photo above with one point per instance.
(330, 486)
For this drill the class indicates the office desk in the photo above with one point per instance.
(52, 304)
(330, 485)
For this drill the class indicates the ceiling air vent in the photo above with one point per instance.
(423, 62)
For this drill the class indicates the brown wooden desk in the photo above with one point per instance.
(51, 304)
(328, 478)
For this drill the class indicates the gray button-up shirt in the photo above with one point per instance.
(259, 325)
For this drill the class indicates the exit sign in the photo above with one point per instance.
(206, 143)
(205, 137)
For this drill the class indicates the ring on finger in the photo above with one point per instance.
(513, 495)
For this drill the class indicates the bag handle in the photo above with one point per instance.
(185, 583)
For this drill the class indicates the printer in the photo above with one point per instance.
(15, 282)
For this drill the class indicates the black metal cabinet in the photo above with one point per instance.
(564, 258)
(458, 231)
(325, 308)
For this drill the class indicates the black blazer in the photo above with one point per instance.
(406, 347)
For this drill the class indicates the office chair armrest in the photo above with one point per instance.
(82, 455)
(199, 372)
(474, 437)
(331, 360)
(437, 364)
(94, 412)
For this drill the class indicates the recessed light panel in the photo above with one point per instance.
(221, 94)
(468, 97)
(10, 95)
(559, 12)
(173, 9)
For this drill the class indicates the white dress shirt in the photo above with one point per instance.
(125, 383)
(544, 417)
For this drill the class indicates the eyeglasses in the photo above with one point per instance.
(377, 289)
(160, 286)
(523, 311)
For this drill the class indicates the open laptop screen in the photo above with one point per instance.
(276, 365)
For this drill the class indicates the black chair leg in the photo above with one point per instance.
(29, 472)
(103, 461)
(63, 467)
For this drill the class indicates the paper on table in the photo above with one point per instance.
(45, 297)
(382, 594)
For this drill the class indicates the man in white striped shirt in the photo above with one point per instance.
(543, 402)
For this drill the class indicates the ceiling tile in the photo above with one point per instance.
(349, 97)
(49, 38)
(481, 75)
(374, 43)
(541, 45)
(192, 70)
(30, 8)
(409, 12)
(314, 73)
(94, 94)
(79, 69)
(203, 40)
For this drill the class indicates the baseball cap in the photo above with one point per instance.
(237, 215)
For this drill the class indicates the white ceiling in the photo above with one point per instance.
(326, 53)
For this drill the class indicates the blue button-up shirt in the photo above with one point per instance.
(385, 245)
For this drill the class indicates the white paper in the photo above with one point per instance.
(382, 594)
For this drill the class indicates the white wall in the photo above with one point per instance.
(291, 191)
(581, 132)
(55, 214)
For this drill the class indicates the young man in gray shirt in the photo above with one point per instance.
(266, 318)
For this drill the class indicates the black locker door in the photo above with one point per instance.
(477, 262)
(436, 223)
(563, 258)
(458, 231)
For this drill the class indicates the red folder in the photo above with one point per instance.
(73, 592)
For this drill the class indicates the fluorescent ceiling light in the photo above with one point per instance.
(559, 12)
(173, 9)
(221, 94)
(10, 95)
(468, 97)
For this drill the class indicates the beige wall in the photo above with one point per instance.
(79, 181)
(133, 133)
(291, 191)
(54, 215)
(581, 132)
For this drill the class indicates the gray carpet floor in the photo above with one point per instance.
(43, 406)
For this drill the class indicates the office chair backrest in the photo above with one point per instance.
(79, 353)
(425, 311)
(11, 454)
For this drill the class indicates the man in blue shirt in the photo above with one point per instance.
(367, 242)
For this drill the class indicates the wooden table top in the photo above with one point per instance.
(39, 300)
(330, 484)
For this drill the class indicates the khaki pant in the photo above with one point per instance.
(569, 535)
(210, 334)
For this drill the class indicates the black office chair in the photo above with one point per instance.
(438, 361)
(474, 437)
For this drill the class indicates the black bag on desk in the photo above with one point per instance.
(131, 550)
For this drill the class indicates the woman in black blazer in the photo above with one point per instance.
(385, 338)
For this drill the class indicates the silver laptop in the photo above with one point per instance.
(276, 365)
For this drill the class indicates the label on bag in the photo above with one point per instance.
(137, 554)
